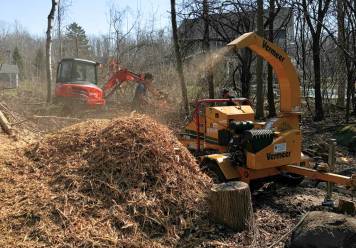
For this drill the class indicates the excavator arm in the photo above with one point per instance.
(289, 84)
(123, 75)
(118, 78)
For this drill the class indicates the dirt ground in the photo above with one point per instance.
(277, 207)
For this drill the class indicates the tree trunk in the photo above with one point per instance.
(4, 123)
(77, 47)
(350, 45)
(179, 58)
(246, 73)
(315, 30)
(59, 23)
(270, 95)
(49, 50)
(319, 113)
(206, 48)
(341, 56)
(353, 98)
(259, 66)
(230, 204)
(350, 82)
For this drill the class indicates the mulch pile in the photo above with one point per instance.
(124, 183)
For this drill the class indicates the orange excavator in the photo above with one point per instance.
(77, 82)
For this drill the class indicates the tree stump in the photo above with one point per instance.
(230, 204)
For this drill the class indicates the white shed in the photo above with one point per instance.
(9, 76)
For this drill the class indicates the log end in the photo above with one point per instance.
(230, 186)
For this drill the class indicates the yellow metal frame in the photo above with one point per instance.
(322, 176)
(246, 174)
(266, 158)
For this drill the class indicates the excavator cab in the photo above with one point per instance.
(77, 81)
(77, 71)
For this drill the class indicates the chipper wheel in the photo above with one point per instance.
(212, 169)
(290, 179)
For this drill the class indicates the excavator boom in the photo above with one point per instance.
(118, 78)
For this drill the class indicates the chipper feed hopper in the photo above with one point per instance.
(236, 147)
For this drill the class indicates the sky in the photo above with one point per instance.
(92, 15)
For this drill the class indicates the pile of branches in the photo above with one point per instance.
(121, 183)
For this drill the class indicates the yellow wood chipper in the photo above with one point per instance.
(238, 147)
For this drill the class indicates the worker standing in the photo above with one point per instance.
(139, 100)
(225, 94)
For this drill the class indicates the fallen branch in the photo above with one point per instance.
(7, 110)
(20, 122)
(35, 103)
(48, 117)
(287, 233)
(55, 117)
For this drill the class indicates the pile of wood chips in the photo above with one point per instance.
(121, 183)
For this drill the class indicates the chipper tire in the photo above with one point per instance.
(290, 179)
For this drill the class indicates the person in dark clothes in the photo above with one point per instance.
(225, 94)
(139, 100)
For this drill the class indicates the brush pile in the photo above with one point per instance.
(121, 183)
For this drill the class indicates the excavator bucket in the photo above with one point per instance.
(282, 66)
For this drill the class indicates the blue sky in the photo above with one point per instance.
(92, 15)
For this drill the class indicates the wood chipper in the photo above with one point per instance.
(236, 147)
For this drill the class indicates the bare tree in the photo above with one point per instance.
(232, 19)
(59, 28)
(270, 94)
(314, 14)
(259, 66)
(179, 57)
(206, 48)
(63, 6)
(350, 56)
(334, 71)
(341, 57)
(49, 50)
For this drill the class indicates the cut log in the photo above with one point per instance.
(4, 123)
(230, 205)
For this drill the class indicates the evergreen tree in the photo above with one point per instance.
(77, 39)
(17, 60)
